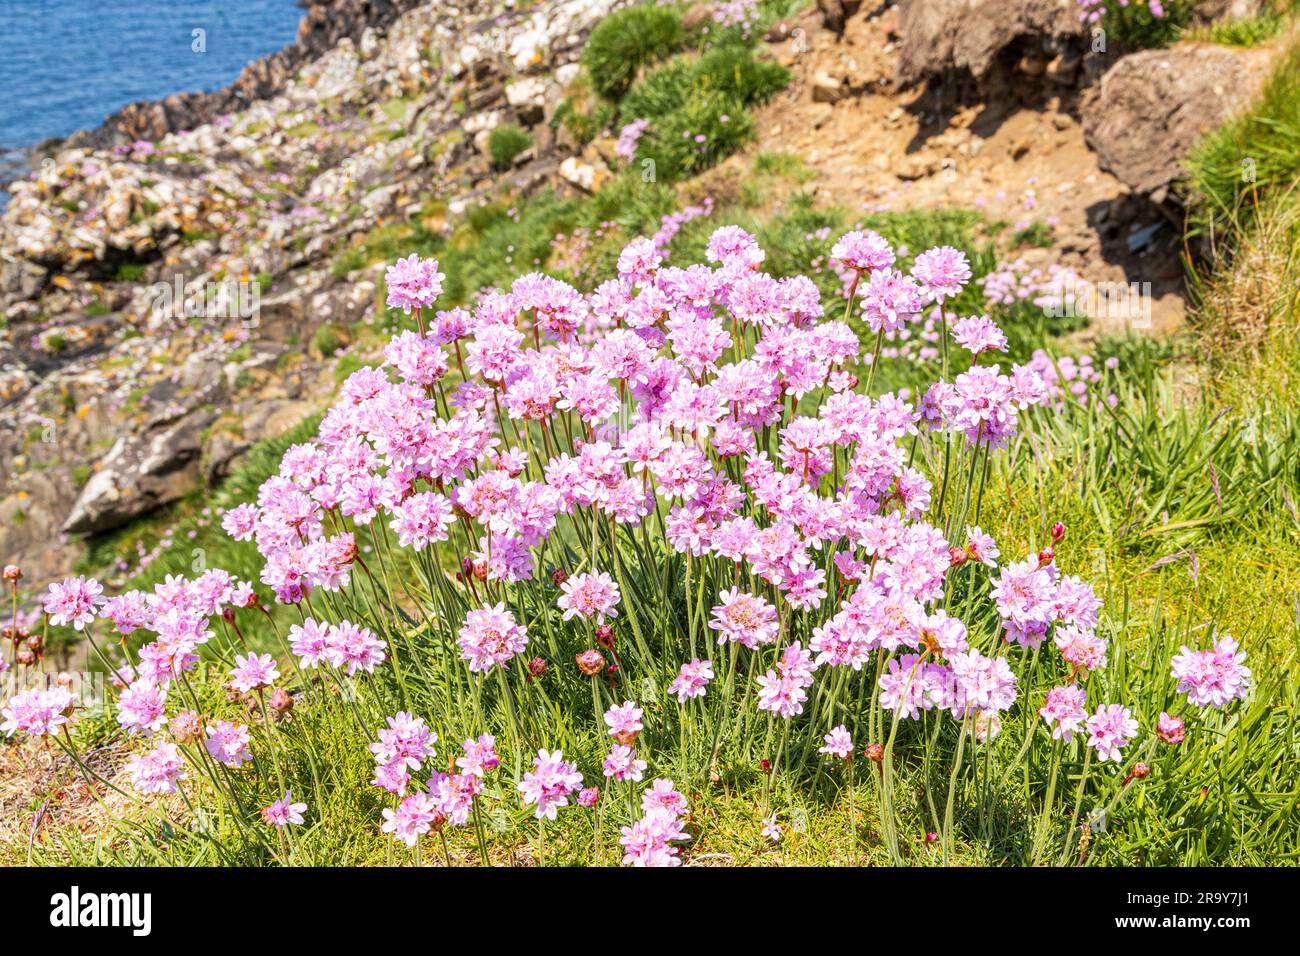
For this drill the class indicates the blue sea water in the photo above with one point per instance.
(67, 64)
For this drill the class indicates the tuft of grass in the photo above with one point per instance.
(505, 143)
(628, 40)
(698, 108)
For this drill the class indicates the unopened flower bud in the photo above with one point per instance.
(874, 752)
(13, 573)
(957, 556)
(931, 837)
(605, 636)
(228, 613)
(185, 727)
(25, 656)
(35, 642)
(765, 765)
(536, 668)
(1141, 771)
(281, 701)
(591, 662)
(1058, 533)
(1045, 557)
(559, 576)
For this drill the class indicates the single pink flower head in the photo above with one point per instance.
(838, 743)
(413, 283)
(284, 812)
(590, 595)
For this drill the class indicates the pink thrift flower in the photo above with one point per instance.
(1063, 710)
(591, 595)
(491, 637)
(624, 721)
(253, 671)
(745, 618)
(284, 811)
(157, 772)
(1215, 677)
(623, 764)
(413, 283)
(692, 680)
(547, 786)
(1170, 729)
(38, 711)
(1111, 729)
(838, 743)
(480, 756)
(74, 601)
(228, 743)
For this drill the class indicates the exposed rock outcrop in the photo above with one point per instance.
(985, 38)
(1148, 110)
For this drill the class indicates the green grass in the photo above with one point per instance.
(628, 40)
(698, 108)
(505, 143)
(1238, 169)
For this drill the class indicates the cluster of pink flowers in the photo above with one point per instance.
(1091, 11)
(284, 812)
(1212, 677)
(784, 690)
(38, 711)
(491, 638)
(401, 747)
(692, 680)
(593, 595)
(446, 798)
(346, 646)
(628, 137)
(650, 840)
(158, 771)
(74, 601)
(713, 398)
(548, 785)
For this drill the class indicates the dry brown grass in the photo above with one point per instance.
(45, 799)
(1248, 314)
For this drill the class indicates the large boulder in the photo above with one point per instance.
(983, 37)
(1150, 108)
